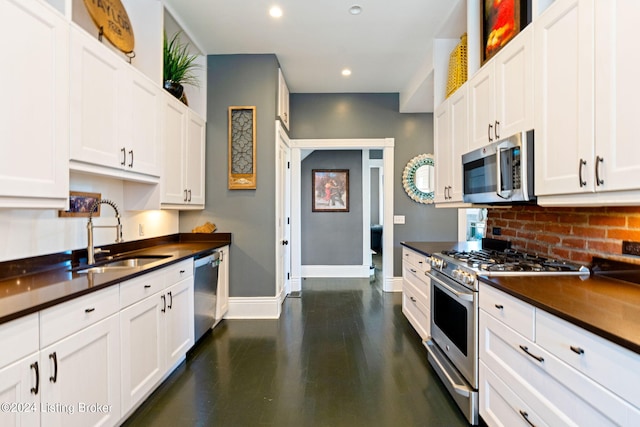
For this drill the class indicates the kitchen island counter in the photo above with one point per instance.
(29, 285)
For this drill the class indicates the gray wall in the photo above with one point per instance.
(377, 116)
(332, 238)
(242, 80)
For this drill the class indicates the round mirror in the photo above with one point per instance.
(418, 178)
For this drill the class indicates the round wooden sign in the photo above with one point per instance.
(112, 18)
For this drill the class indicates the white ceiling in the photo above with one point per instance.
(388, 46)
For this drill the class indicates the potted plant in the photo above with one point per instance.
(179, 66)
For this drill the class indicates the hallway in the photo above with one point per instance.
(342, 354)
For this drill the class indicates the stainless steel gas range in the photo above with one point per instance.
(453, 347)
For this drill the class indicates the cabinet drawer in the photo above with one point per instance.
(416, 311)
(514, 313)
(610, 365)
(177, 272)
(64, 319)
(417, 260)
(137, 289)
(19, 338)
(559, 394)
(421, 282)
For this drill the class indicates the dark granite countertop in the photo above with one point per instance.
(427, 248)
(35, 287)
(607, 307)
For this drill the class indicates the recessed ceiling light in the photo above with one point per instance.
(355, 9)
(275, 12)
(346, 72)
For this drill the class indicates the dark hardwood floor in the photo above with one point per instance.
(341, 354)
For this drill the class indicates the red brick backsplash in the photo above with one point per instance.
(575, 234)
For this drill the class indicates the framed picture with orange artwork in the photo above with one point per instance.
(502, 20)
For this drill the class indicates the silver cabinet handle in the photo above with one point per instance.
(495, 130)
(124, 156)
(189, 196)
(131, 154)
(185, 195)
(526, 350)
(583, 163)
(576, 350)
(489, 132)
(599, 160)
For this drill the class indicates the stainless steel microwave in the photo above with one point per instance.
(501, 172)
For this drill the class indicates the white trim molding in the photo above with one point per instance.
(393, 284)
(335, 271)
(255, 307)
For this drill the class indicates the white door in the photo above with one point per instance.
(482, 110)
(459, 141)
(195, 159)
(443, 152)
(179, 320)
(174, 134)
(283, 215)
(143, 139)
(19, 382)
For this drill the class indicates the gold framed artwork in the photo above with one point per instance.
(242, 148)
(330, 190)
(80, 204)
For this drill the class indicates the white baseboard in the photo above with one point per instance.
(255, 307)
(335, 271)
(392, 284)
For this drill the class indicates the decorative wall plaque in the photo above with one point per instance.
(112, 20)
(242, 148)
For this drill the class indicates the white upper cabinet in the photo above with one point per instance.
(451, 127)
(501, 93)
(184, 138)
(283, 100)
(585, 122)
(34, 135)
(115, 113)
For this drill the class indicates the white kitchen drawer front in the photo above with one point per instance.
(610, 365)
(515, 313)
(64, 319)
(418, 280)
(500, 406)
(416, 311)
(409, 256)
(556, 392)
(19, 338)
(137, 289)
(179, 271)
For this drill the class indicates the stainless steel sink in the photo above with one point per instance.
(131, 263)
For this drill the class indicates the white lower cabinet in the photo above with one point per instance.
(522, 381)
(222, 301)
(416, 288)
(18, 383)
(80, 377)
(156, 330)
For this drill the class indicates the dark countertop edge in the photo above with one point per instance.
(608, 335)
(217, 240)
(428, 248)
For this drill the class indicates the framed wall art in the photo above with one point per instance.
(330, 190)
(502, 20)
(80, 204)
(242, 148)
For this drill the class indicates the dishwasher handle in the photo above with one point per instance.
(211, 258)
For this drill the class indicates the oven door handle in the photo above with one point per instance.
(460, 389)
(462, 295)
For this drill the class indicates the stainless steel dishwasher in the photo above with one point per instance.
(205, 291)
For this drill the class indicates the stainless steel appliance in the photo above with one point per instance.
(205, 291)
(501, 172)
(453, 347)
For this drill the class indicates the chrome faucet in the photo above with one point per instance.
(91, 251)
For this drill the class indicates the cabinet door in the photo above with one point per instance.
(179, 317)
(143, 139)
(35, 113)
(222, 302)
(514, 86)
(564, 113)
(482, 107)
(17, 386)
(95, 93)
(617, 94)
(442, 151)
(173, 186)
(83, 370)
(459, 128)
(195, 159)
(283, 100)
(143, 343)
